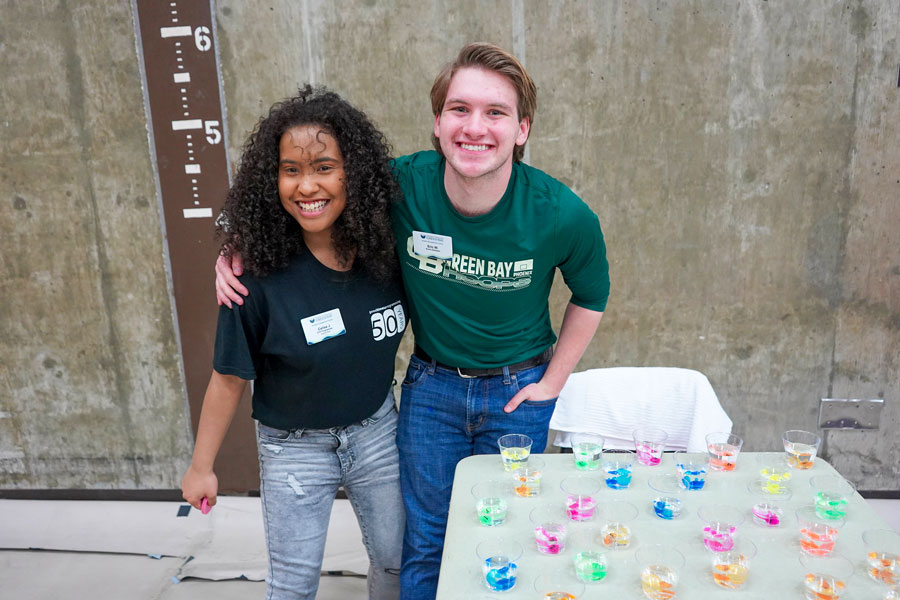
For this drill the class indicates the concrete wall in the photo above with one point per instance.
(742, 157)
(92, 392)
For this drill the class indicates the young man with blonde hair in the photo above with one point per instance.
(480, 236)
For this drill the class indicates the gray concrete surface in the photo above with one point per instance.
(742, 158)
(41, 575)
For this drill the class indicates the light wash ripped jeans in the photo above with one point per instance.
(300, 472)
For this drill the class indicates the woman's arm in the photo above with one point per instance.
(219, 405)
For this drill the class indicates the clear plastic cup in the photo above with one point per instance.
(767, 514)
(499, 563)
(558, 585)
(660, 570)
(730, 569)
(720, 526)
(723, 449)
(581, 496)
(616, 533)
(589, 556)
(774, 474)
(514, 450)
(692, 469)
(817, 535)
(825, 577)
(491, 503)
(587, 449)
(882, 555)
(833, 494)
(800, 448)
(527, 479)
(617, 467)
(768, 510)
(649, 445)
(549, 528)
(668, 496)
(892, 593)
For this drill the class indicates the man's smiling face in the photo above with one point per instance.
(478, 127)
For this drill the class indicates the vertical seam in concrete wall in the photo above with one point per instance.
(844, 201)
(517, 10)
(75, 81)
(226, 138)
(310, 34)
(167, 259)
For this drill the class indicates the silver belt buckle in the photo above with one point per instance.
(465, 376)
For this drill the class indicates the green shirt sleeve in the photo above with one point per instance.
(582, 252)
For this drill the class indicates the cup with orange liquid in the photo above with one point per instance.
(800, 448)
(817, 535)
(825, 577)
(882, 555)
(730, 569)
(723, 450)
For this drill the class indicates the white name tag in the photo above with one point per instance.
(432, 245)
(323, 326)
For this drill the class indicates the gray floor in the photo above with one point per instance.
(45, 575)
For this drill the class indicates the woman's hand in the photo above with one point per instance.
(228, 288)
(197, 485)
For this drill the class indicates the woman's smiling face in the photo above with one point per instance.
(311, 179)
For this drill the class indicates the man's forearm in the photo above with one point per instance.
(578, 327)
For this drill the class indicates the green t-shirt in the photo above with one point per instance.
(488, 305)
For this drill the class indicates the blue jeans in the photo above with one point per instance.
(443, 419)
(300, 472)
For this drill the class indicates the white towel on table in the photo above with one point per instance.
(615, 401)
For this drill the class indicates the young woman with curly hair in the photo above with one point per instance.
(308, 212)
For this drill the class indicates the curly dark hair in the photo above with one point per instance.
(254, 222)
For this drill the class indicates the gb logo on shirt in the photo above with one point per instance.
(387, 321)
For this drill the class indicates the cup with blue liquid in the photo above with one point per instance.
(692, 468)
(617, 467)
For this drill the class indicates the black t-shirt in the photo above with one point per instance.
(331, 383)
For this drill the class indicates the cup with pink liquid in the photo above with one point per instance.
(549, 523)
(649, 444)
(720, 526)
(581, 496)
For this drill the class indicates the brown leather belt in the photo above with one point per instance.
(534, 361)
